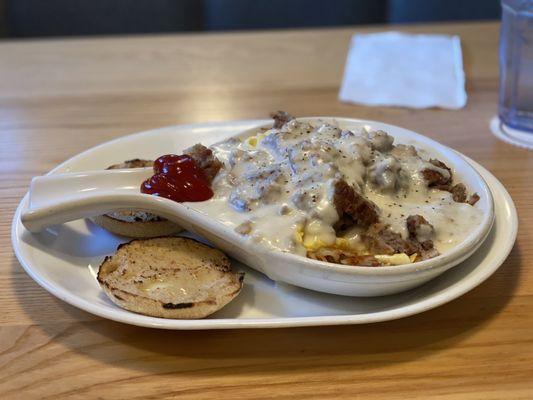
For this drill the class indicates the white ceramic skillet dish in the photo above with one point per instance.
(64, 260)
(370, 281)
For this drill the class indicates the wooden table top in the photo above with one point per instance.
(60, 97)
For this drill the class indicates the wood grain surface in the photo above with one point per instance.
(59, 97)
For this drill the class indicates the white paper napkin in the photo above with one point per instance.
(398, 69)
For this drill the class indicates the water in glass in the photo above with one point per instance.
(516, 65)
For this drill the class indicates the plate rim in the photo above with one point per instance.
(433, 301)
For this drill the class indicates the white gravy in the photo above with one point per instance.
(277, 187)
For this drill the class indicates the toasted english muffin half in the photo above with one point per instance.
(169, 277)
(133, 223)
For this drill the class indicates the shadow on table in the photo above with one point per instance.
(262, 350)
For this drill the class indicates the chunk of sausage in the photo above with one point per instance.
(380, 239)
(436, 178)
(353, 209)
(338, 256)
(430, 252)
(403, 150)
(280, 118)
(440, 164)
(384, 173)
(380, 140)
(458, 193)
(473, 199)
(419, 229)
(205, 159)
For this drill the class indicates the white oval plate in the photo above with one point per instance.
(64, 260)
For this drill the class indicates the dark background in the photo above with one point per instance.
(35, 18)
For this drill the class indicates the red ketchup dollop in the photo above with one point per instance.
(178, 178)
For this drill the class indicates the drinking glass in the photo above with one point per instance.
(516, 66)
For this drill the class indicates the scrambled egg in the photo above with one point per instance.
(311, 243)
(252, 141)
(395, 259)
